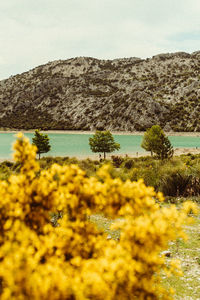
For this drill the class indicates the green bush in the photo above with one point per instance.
(177, 177)
(129, 164)
(175, 184)
(117, 160)
(88, 165)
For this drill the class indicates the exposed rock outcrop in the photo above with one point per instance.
(122, 94)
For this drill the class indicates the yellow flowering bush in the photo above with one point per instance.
(75, 260)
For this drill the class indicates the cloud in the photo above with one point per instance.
(37, 31)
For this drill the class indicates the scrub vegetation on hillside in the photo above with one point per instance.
(84, 93)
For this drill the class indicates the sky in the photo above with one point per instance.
(34, 32)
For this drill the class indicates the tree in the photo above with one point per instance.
(157, 142)
(103, 141)
(166, 149)
(41, 141)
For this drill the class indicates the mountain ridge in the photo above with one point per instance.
(125, 94)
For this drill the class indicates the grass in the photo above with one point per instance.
(188, 252)
(105, 223)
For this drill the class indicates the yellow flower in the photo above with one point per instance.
(49, 249)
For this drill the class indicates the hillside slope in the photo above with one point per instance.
(122, 94)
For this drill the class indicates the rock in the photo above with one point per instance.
(121, 94)
(166, 253)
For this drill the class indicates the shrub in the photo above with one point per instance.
(175, 184)
(6, 163)
(129, 164)
(89, 166)
(117, 160)
(73, 259)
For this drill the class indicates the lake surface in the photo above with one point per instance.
(65, 144)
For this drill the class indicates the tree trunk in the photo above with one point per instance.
(104, 155)
(39, 154)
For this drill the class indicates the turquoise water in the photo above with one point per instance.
(63, 144)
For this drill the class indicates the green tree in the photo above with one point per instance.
(41, 141)
(103, 142)
(157, 142)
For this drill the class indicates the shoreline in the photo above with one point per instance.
(170, 133)
(95, 156)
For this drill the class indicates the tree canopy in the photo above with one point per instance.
(157, 142)
(41, 141)
(103, 142)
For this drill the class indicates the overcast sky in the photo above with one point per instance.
(33, 32)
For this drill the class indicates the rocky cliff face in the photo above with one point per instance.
(122, 94)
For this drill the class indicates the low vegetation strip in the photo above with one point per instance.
(175, 177)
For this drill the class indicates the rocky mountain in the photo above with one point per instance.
(125, 94)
